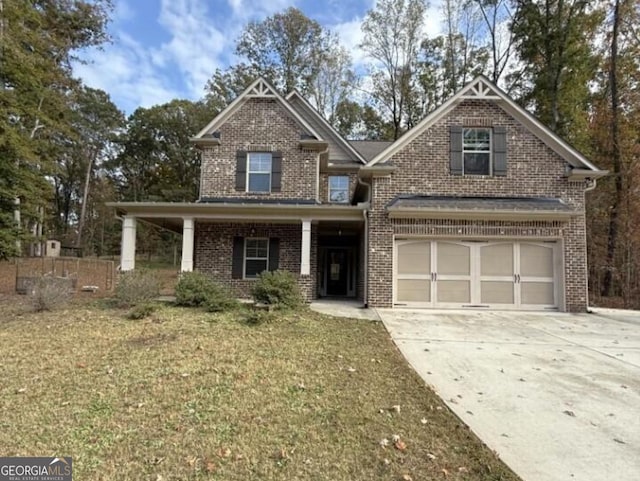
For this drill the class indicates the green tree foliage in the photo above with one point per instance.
(287, 48)
(553, 40)
(158, 161)
(38, 40)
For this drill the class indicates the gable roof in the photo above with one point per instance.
(481, 88)
(311, 114)
(260, 88)
(370, 148)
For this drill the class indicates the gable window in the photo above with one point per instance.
(339, 188)
(259, 172)
(476, 151)
(256, 257)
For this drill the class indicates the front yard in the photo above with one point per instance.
(191, 395)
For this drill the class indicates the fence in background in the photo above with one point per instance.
(17, 274)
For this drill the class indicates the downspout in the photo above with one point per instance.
(365, 215)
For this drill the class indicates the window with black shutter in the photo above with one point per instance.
(253, 255)
(478, 151)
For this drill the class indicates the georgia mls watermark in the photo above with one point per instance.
(35, 469)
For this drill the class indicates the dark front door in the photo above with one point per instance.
(337, 269)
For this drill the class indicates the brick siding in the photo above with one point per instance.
(213, 252)
(533, 170)
(259, 125)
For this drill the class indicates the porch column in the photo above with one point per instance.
(128, 248)
(187, 244)
(305, 262)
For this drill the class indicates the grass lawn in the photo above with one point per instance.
(186, 394)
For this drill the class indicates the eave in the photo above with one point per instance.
(239, 212)
(314, 144)
(585, 174)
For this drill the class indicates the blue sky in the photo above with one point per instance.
(166, 49)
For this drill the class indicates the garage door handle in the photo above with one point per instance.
(516, 278)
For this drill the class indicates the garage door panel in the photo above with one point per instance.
(413, 290)
(454, 259)
(496, 260)
(537, 293)
(536, 260)
(453, 273)
(414, 258)
(497, 292)
(454, 291)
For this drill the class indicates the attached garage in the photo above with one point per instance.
(453, 273)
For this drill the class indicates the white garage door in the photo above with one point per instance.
(501, 274)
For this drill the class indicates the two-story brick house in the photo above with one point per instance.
(478, 206)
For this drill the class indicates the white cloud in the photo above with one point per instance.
(195, 46)
(124, 70)
(433, 19)
(257, 9)
(350, 34)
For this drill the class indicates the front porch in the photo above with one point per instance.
(323, 245)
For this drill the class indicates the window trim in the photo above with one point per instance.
(490, 151)
(245, 258)
(262, 172)
(329, 189)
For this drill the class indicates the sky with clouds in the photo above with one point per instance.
(166, 49)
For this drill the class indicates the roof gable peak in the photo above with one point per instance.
(259, 89)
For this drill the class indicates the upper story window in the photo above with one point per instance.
(339, 188)
(259, 172)
(256, 257)
(476, 151)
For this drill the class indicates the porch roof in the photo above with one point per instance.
(170, 215)
(487, 208)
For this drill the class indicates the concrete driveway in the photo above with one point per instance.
(556, 395)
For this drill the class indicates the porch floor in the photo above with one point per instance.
(344, 308)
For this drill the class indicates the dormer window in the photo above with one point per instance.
(259, 172)
(476, 151)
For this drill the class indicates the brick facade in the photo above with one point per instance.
(533, 170)
(213, 252)
(260, 125)
(422, 167)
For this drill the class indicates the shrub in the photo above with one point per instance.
(141, 311)
(48, 293)
(219, 300)
(193, 289)
(256, 317)
(278, 288)
(136, 286)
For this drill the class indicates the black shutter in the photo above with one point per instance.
(499, 151)
(241, 170)
(237, 258)
(274, 253)
(276, 171)
(455, 153)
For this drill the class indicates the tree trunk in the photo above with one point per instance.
(85, 196)
(612, 238)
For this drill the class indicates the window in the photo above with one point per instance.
(259, 172)
(338, 188)
(256, 257)
(476, 151)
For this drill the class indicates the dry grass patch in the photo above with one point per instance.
(191, 395)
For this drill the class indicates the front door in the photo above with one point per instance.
(337, 269)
